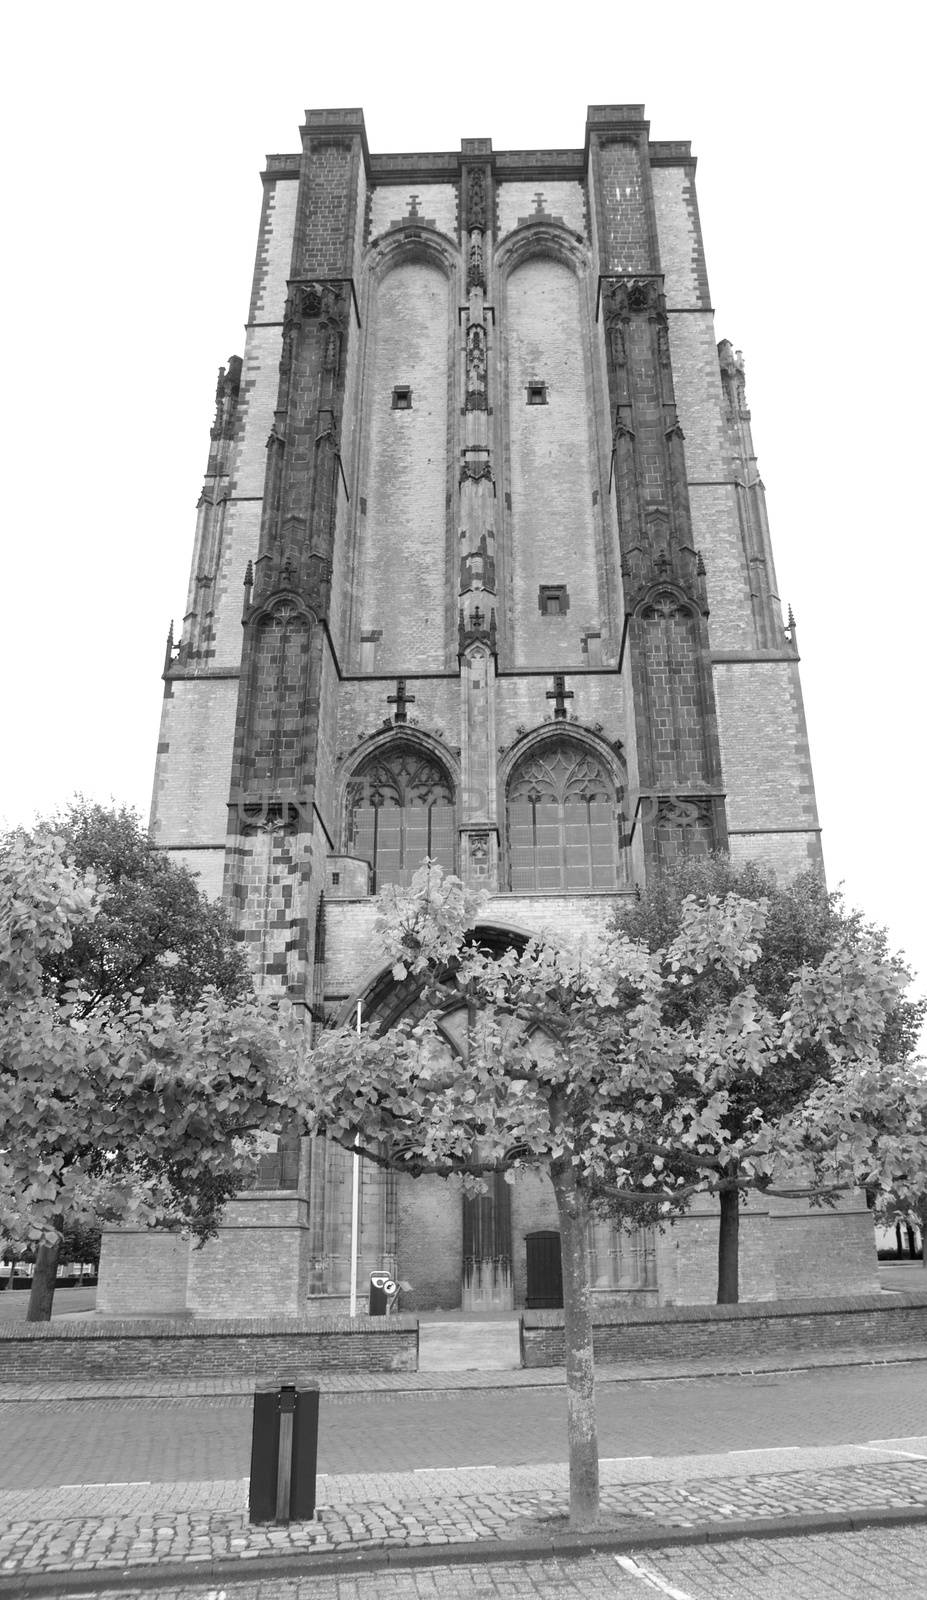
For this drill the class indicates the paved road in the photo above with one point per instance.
(876, 1565)
(107, 1441)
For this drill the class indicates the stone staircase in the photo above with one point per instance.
(465, 1346)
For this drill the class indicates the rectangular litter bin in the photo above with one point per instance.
(284, 1451)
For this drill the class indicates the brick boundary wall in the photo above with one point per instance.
(195, 1348)
(782, 1327)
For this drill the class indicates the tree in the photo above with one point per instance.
(806, 931)
(578, 1061)
(866, 1128)
(154, 933)
(116, 1108)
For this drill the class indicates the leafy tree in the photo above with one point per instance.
(866, 1127)
(805, 930)
(154, 933)
(573, 1056)
(115, 1108)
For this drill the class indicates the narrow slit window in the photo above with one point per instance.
(402, 397)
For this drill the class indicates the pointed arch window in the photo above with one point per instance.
(400, 810)
(563, 821)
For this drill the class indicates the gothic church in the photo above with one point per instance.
(482, 572)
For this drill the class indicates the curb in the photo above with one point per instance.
(239, 1569)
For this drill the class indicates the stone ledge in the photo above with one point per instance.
(883, 1300)
(207, 1327)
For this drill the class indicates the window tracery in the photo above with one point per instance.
(400, 810)
(562, 819)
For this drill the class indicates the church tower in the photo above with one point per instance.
(482, 573)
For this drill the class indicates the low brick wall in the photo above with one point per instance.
(770, 1328)
(177, 1348)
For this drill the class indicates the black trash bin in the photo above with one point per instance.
(284, 1451)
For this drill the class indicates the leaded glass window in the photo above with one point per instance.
(562, 821)
(400, 810)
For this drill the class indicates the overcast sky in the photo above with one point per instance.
(135, 140)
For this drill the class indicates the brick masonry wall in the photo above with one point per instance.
(142, 1271)
(517, 202)
(191, 788)
(274, 249)
(257, 1265)
(726, 1333)
(765, 754)
(263, 1348)
(621, 203)
(599, 704)
(682, 254)
(403, 531)
(436, 203)
(551, 471)
(325, 234)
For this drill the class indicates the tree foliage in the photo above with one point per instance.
(154, 932)
(632, 1076)
(117, 1107)
(812, 952)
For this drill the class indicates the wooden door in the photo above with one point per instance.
(545, 1272)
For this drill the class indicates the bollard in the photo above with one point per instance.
(284, 1451)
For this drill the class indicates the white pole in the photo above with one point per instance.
(355, 1205)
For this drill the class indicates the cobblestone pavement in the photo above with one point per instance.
(875, 1564)
(104, 1485)
(117, 1526)
(187, 1438)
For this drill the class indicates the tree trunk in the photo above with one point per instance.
(729, 1248)
(582, 1437)
(42, 1291)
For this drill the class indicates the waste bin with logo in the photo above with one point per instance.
(383, 1291)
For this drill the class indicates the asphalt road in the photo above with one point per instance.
(107, 1441)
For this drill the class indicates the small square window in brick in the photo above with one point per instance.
(536, 394)
(402, 397)
(553, 600)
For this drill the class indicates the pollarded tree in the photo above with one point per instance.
(576, 1067)
(807, 937)
(116, 1110)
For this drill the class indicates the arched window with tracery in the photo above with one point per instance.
(400, 810)
(563, 821)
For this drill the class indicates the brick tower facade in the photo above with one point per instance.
(482, 572)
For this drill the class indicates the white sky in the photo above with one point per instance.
(133, 150)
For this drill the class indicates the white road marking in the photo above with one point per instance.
(893, 1450)
(105, 1483)
(763, 1449)
(605, 1460)
(636, 1570)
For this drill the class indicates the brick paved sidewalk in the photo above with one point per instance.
(201, 1529)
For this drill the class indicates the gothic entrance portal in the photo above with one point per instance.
(487, 1249)
(486, 1264)
(544, 1290)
